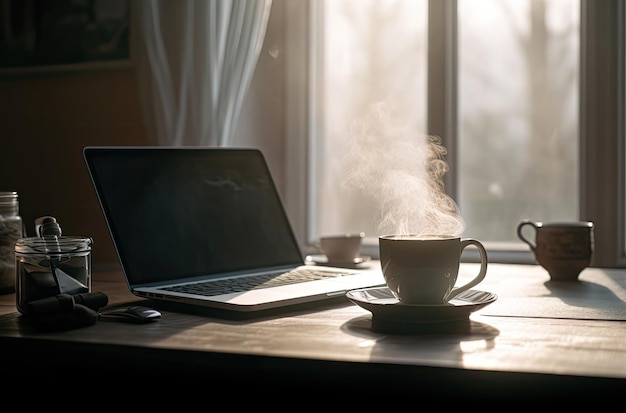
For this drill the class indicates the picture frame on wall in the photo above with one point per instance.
(48, 35)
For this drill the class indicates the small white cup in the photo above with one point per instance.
(341, 247)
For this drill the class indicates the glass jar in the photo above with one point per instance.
(46, 267)
(11, 229)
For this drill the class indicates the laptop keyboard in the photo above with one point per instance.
(237, 285)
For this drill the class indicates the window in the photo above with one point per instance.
(517, 119)
(526, 96)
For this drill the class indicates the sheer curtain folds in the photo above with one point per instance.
(199, 59)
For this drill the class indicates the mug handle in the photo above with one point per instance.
(521, 236)
(481, 274)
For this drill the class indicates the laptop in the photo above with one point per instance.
(206, 226)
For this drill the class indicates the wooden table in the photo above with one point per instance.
(539, 340)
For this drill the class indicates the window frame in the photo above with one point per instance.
(602, 120)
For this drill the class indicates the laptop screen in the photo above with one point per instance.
(191, 211)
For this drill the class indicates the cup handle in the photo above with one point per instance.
(521, 236)
(483, 267)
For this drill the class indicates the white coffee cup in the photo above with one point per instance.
(424, 270)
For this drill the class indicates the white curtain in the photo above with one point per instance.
(196, 59)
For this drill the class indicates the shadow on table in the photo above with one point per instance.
(370, 326)
(583, 293)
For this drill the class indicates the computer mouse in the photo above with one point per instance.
(135, 314)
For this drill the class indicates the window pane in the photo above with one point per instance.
(518, 122)
(373, 51)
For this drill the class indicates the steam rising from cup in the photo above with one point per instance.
(402, 171)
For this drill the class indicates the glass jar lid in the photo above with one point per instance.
(9, 203)
(57, 245)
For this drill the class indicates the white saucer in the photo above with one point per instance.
(321, 259)
(385, 306)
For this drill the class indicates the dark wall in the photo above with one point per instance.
(46, 119)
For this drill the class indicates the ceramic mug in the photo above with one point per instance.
(424, 269)
(341, 248)
(564, 249)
